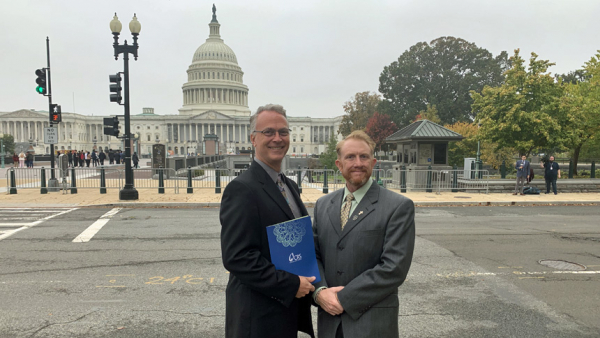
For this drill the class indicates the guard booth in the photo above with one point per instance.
(419, 145)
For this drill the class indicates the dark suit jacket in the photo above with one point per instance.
(370, 258)
(522, 172)
(260, 300)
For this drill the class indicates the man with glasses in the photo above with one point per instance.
(260, 300)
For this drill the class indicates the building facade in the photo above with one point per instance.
(215, 101)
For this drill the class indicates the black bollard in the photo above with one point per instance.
(161, 181)
(593, 173)
(325, 183)
(428, 189)
(218, 181)
(403, 179)
(13, 182)
(43, 189)
(73, 182)
(299, 180)
(503, 169)
(190, 189)
(455, 178)
(102, 181)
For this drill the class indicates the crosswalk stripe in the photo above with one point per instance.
(93, 229)
(32, 224)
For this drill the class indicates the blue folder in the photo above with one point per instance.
(293, 248)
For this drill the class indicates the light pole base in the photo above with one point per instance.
(53, 185)
(128, 194)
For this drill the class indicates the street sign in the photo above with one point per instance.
(50, 135)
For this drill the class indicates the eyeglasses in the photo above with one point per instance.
(271, 132)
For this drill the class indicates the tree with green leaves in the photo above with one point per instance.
(328, 157)
(581, 103)
(9, 144)
(358, 112)
(379, 128)
(430, 114)
(523, 113)
(441, 73)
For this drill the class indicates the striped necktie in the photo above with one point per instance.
(346, 209)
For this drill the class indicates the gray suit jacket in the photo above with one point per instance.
(522, 172)
(370, 258)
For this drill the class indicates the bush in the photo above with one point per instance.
(198, 172)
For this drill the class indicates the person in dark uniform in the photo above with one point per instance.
(551, 173)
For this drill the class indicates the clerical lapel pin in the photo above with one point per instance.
(354, 218)
(360, 213)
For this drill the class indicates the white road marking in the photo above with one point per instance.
(32, 224)
(88, 233)
(479, 274)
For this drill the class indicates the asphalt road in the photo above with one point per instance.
(158, 273)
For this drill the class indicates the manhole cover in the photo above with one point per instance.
(562, 265)
(462, 197)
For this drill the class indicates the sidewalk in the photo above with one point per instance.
(208, 198)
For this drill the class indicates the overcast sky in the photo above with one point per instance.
(310, 56)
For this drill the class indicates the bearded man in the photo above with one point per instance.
(364, 241)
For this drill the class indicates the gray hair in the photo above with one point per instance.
(269, 107)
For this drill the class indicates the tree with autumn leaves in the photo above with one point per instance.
(379, 127)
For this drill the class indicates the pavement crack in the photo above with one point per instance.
(61, 323)
(112, 265)
(180, 313)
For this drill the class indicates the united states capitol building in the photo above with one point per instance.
(215, 101)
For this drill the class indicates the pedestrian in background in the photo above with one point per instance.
(111, 156)
(522, 167)
(22, 157)
(102, 157)
(81, 158)
(135, 160)
(15, 160)
(551, 172)
(94, 158)
(88, 158)
(29, 159)
(70, 157)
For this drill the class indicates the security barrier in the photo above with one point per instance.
(207, 177)
(428, 180)
(150, 178)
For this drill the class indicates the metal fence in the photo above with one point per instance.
(435, 180)
(155, 178)
(206, 177)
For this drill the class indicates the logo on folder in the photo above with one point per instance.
(289, 234)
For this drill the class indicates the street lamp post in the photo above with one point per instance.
(477, 161)
(128, 192)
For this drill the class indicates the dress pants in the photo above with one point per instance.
(551, 180)
(520, 182)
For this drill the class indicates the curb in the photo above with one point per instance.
(312, 204)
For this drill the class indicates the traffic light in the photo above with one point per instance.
(41, 81)
(55, 113)
(115, 88)
(116, 126)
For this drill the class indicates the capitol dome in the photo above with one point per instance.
(215, 80)
(214, 50)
